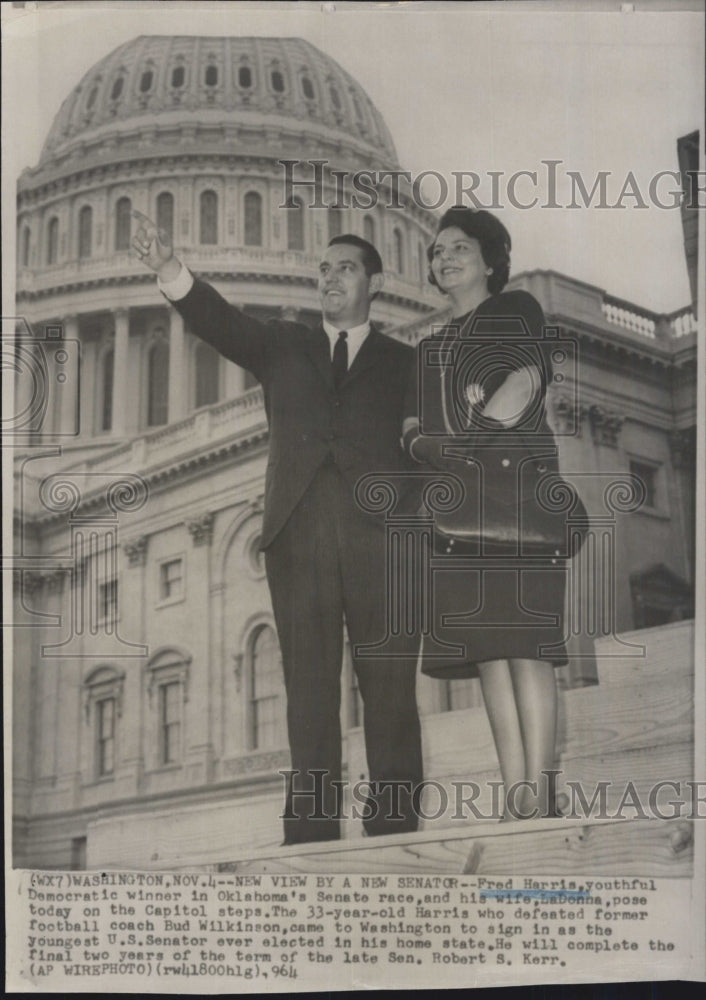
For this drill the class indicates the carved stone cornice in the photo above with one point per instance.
(136, 550)
(201, 528)
(605, 425)
(169, 473)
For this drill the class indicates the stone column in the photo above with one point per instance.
(88, 389)
(198, 758)
(121, 318)
(177, 404)
(67, 375)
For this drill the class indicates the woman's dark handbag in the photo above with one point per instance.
(512, 500)
(507, 497)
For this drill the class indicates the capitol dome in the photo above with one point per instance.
(192, 131)
(165, 80)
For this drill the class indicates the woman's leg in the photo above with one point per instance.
(535, 696)
(499, 696)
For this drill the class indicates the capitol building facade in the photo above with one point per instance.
(147, 683)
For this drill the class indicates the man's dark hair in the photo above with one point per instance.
(372, 261)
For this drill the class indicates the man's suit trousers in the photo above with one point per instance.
(328, 564)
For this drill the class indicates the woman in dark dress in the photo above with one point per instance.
(508, 617)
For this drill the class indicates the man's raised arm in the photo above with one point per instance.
(238, 337)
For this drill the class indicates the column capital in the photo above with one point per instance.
(201, 528)
(136, 550)
(682, 444)
(605, 425)
(569, 415)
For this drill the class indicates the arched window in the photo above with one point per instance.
(211, 76)
(157, 383)
(253, 219)
(335, 222)
(295, 225)
(102, 701)
(335, 97)
(308, 88)
(117, 89)
(91, 98)
(105, 737)
(267, 700)
(107, 372)
(167, 679)
(178, 77)
(207, 366)
(85, 231)
(146, 81)
(245, 77)
(24, 247)
(53, 240)
(165, 213)
(369, 232)
(170, 699)
(123, 209)
(277, 81)
(208, 218)
(398, 250)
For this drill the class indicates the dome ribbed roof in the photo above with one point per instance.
(169, 77)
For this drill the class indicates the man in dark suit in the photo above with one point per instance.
(334, 401)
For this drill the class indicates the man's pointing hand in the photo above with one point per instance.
(154, 249)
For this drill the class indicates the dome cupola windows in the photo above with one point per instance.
(178, 77)
(308, 88)
(244, 77)
(117, 88)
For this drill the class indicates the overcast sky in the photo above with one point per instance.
(462, 87)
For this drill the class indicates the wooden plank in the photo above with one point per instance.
(654, 715)
(196, 835)
(445, 805)
(544, 847)
(669, 653)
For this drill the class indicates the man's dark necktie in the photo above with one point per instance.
(340, 358)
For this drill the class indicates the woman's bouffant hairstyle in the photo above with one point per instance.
(493, 237)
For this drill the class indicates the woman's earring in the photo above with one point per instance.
(489, 271)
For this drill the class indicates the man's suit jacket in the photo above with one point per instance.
(360, 424)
